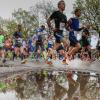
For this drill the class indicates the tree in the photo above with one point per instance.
(10, 26)
(1, 22)
(26, 19)
(7, 25)
(90, 12)
(44, 9)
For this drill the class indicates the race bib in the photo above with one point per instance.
(62, 26)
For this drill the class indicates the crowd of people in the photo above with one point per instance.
(52, 44)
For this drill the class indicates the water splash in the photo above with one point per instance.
(95, 65)
(79, 64)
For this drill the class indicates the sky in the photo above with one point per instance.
(8, 6)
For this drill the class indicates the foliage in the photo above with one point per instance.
(44, 8)
(26, 19)
(90, 12)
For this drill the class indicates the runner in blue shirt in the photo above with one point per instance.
(73, 27)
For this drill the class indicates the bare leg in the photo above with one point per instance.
(75, 49)
(56, 46)
(65, 42)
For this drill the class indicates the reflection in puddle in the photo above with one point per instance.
(51, 85)
(11, 95)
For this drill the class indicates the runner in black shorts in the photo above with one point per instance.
(18, 41)
(85, 43)
(73, 24)
(60, 23)
(18, 37)
(39, 41)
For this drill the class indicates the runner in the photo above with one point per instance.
(8, 43)
(85, 41)
(39, 46)
(73, 27)
(60, 23)
(2, 52)
(60, 20)
(39, 41)
(18, 41)
(8, 47)
(98, 49)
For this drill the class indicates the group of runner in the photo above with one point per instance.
(50, 46)
(13, 44)
(71, 25)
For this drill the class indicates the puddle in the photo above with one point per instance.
(51, 85)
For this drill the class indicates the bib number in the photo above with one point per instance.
(62, 26)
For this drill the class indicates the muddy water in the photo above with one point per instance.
(51, 85)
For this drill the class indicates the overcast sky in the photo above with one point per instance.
(8, 6)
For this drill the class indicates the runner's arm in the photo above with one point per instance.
(49, 23)
(79, 29)
(52, 17)
(68, 25)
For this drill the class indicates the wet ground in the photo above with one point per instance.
(42, 82)
(51, 85)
